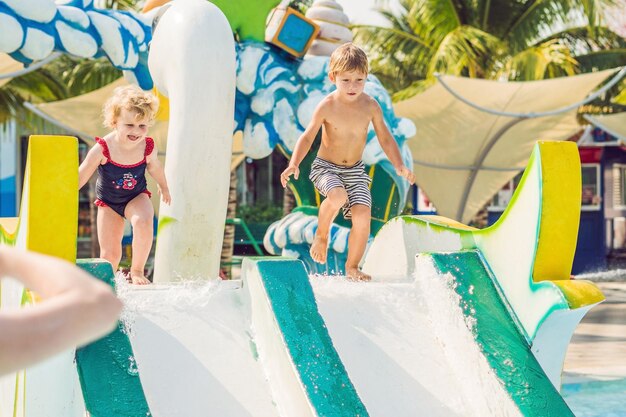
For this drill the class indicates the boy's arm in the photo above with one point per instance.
(155, 169)
(303, 145)
(75, 309)
(89, 165)
(388, 143)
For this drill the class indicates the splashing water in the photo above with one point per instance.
(485, 394)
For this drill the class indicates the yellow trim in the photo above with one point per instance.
(558, 229)
(388, 208)
(580, 293)
(317, 197)
(295, 195)
(446, 222)
(371, 174)
(560, 210)
(52, 189)
(163, 113)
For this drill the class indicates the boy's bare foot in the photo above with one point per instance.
(319, 247)
(355, 274)
(137, 278)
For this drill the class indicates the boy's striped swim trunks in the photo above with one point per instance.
(326, 176)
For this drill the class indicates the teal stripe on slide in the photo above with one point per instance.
(499, 339)
(107, 370)
(324, 377)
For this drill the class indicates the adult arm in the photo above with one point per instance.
(75, 309)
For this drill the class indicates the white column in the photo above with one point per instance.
(192, 61)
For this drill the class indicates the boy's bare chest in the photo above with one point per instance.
(347, 126)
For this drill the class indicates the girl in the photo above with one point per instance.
(121, 158)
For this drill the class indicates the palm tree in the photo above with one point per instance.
(512, 40)
(37, 86)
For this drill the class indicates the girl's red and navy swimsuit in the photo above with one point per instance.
(118, 184)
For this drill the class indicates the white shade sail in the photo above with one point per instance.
(7, 66)
(453, 137)
(615, 124)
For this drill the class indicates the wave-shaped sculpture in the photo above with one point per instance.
(33, 30)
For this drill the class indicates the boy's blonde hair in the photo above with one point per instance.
(347, 58)
(130, 98)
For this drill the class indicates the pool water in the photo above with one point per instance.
(596, 398)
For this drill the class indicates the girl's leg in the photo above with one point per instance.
(359, 234)
(335, 199)
(140, 214)
(110, 233)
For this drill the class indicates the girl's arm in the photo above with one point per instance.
(155, 169)
(388, 143)
(90, 164)
(75, 310)
(304, 144)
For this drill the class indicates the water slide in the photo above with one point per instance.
(457, 321)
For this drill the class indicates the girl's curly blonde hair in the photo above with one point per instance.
(130, 98)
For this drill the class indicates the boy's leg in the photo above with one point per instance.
(140, 214)
(359, 234)
(335, 199)
(110, 232)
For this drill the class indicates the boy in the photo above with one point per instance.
(338, 172)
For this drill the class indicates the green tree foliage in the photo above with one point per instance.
(514, 40)
(38, 86)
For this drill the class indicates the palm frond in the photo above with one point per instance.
(465, 51)
(581, 40)
(10, 102)
(415, 88)
(548, 60)
(596, 10)
(37, 86)
(538, 18)
(601, 60)
(397, 55)
(84, 75)
(437, 18)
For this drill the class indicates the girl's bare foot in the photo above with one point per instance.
(355, 274)
(138, 278)
(319, 247)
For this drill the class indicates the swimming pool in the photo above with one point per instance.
(596, 398)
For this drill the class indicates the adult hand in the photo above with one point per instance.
(75, 309)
